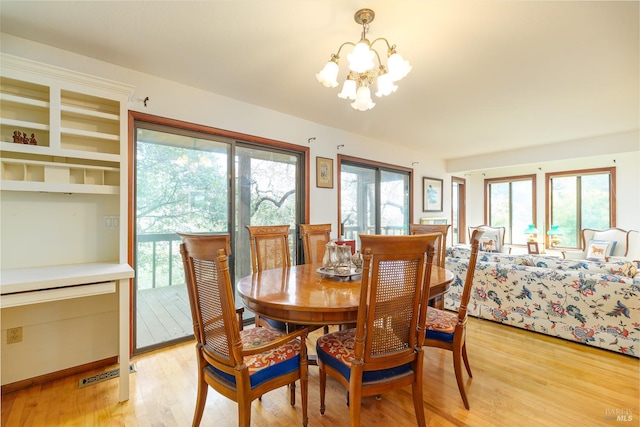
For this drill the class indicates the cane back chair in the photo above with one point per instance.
(448, 330)
(441, 249)
(241, 365)
(269, 247)
(314, 239)
(384, 351)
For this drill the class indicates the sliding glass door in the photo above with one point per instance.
(374, 199)
(192, 181)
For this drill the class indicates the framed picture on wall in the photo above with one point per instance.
(431, 195)
(324, 172)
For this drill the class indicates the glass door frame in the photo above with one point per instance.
(459, 234)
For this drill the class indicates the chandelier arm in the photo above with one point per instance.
(337, 54)
(389, 46)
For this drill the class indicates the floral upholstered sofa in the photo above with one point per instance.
(594, 303)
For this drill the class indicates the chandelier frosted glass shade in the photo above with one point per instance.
(329, 74)
(349, 88)
(385, 85)
(363, 100)
(361, 59)
(398, 66)
(365, 68)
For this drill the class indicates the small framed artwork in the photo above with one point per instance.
(324, 172)
(532, 247)
(431, 195)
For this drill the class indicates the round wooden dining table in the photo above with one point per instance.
(301, 295)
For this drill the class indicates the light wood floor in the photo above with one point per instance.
(520, 379)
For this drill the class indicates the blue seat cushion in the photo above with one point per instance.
(275, 324)
(337, 350)
(270, 364)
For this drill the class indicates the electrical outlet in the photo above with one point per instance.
(14, 335)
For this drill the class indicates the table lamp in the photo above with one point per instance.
(554, 232)
(532, 231)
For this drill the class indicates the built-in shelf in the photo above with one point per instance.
(79, 146)
(22, 100)
(10, 147)
(33, 175)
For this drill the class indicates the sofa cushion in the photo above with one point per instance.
(490, 242)
(600, 250)
(628, 268)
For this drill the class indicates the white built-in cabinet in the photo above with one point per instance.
(63, 213)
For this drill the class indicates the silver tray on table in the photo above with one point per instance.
(353, 273)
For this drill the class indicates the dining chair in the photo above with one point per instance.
(441, 249)
(441, 243)
(314, 238)
(269, 247)
(244, 364)
(448, 330)
(384, 350)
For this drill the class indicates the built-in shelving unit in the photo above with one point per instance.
(63, 156)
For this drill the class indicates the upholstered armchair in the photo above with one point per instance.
(604, 244)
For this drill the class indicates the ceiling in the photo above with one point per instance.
(487, 75)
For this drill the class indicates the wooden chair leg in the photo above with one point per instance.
(457, 367)
(355, 405)
(304, 385)
(466, 359)
(418, 404)
(323, 384)
(203, 389)
(244, 413)
(292, 393)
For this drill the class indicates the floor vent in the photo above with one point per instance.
(94, 379)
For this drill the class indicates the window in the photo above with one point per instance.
(581, 199)
(374, 198)
(511, 203)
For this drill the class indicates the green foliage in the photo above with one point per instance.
(180, 189)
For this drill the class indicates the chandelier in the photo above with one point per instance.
(363, 70)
